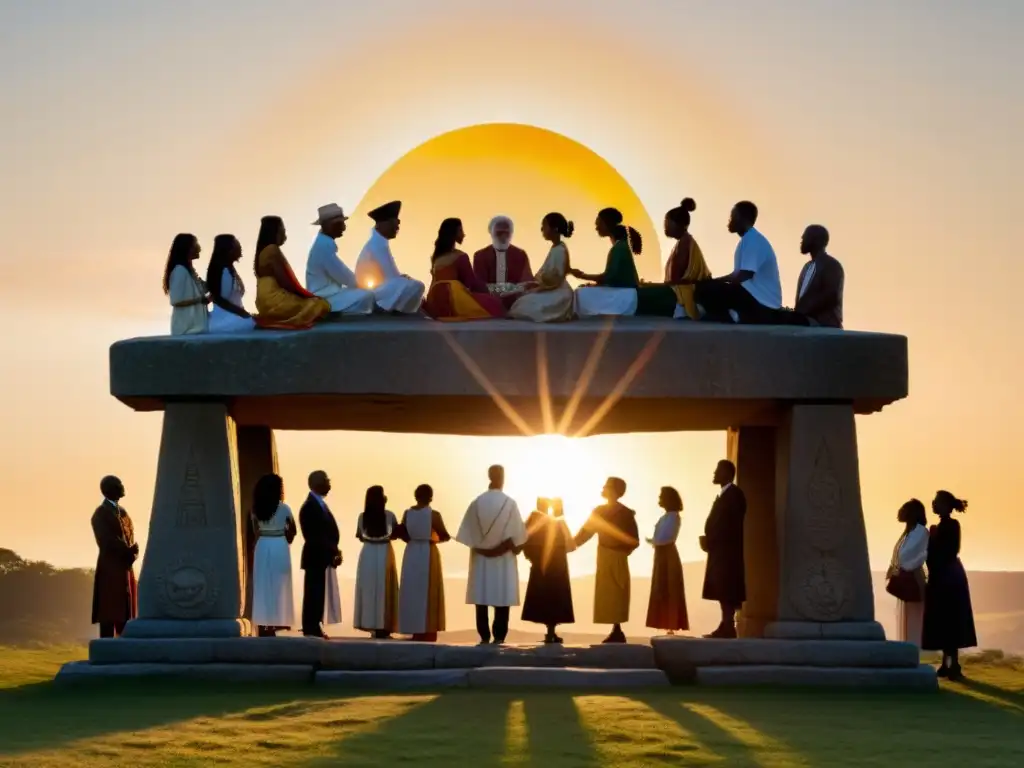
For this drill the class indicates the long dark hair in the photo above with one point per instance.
(446, 236)
(559, 223)
(222, 258)
(673, 501)
(180, 255)
(374, 514)
(681, 214)
(270, 233)
(912, 513)
(267, 495)
(613, 218)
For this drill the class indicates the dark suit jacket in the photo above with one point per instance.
(724, 577)
(823, 299)
(320, 535)
(517, 265)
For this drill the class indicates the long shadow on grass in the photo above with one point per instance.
(1013, 700)
(40, 715)
(555, 732)
(454, 728)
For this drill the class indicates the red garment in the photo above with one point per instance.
(442, 305)
(517, 265)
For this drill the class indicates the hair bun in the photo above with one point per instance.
(688, 204)
(569, 228)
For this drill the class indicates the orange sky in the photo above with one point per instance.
(897, 128)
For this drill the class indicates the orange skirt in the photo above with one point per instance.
(667, 607)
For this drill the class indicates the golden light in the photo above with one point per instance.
(521, 171)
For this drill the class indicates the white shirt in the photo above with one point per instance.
(808, 275)
(755, 254)
(184, 285)
(375, 265)
(325, 272)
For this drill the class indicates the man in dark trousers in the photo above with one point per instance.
(819, 290)
(115, 592)
(724, 577)
(319, 552)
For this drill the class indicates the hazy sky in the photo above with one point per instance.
(897, 125)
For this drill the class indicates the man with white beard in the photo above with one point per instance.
(377, 271)
(494, 531)
(501, 265)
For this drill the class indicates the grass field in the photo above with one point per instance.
(980, 723)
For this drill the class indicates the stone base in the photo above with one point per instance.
(814, 630)
(573, 678)
(181, 628)
(382, 680)
(77, 672)
(921, 678)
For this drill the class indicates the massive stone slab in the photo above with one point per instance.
(657, 375)
(192, 569)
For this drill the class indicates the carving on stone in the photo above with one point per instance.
(821, 589)
(191, 506)
(188, 588)
(825, 524)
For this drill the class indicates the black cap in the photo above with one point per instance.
(386, 211)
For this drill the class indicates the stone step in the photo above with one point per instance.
(365, 655)
(494, 677)
(76, 672)
(921, 677)
(681, 657)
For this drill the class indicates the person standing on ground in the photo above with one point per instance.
(115, 594)
(549, 590)
(320, 552)
(725, 575)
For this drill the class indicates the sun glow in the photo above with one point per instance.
(555, 466)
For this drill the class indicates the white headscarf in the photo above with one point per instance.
(499, 246)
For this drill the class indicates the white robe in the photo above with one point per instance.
(414, 588)
(329, 278)
(183, 285)
(370, 609)
(376, 270)
(911, 554)
(222, 321)
(598, 301)
(490, 520)
(273, 601)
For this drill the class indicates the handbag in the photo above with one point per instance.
(903, 585)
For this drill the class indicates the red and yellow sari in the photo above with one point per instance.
(284, 305)
(456, 293)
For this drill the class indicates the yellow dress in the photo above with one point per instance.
(284, 306)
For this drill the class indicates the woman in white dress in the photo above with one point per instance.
(551, 301)
(226, 289)
(182, 286)
(421, 600)
(273, 602)
(376, 604)
(909, 556)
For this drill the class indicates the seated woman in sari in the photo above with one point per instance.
(552, 298)
(226, 289)
(184, 289)
(456, 293)
(685, 267)
(281, 301)
(614, 290)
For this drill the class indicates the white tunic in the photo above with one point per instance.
(911, 554)
(370, 607)
(415, 585)
(755, 254)
(376, 270)
(329, 278)
(490, 520)
(183, 285)
(221, 321)
(273, 601)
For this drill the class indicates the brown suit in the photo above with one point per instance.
(822, 302)
(115, 591)
(517, 265)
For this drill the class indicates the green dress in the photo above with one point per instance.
(620, 269)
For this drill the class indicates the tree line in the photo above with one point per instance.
(42, 604)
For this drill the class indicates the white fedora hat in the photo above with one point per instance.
(328, 212)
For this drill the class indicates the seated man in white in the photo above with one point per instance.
(326, 274)
(376, 269)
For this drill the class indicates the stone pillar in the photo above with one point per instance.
(257, 456)
(752, 450)
(191, 583)
(824, 572)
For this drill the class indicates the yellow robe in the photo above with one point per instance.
(696, 271)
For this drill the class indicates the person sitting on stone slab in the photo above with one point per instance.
(226, 288)
(503, 267)
(377, 271)
(281, 302)
(614, 524)
(819, 291)
(754, 286)
(184, 288)
(614, 290)
(115, 592)
(725, 576)
(327, 276)
(683, 270)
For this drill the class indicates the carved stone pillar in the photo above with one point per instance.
(752, 450)
(257, 456)
(824, 573)
(191, 579)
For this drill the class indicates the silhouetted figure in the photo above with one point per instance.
(666, 608)
(319, 552)
(725, 576)
(907, 566)
(376, 604)
(115, 596)
(948, 615)
(819, 291)
(549, 591)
